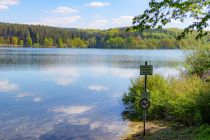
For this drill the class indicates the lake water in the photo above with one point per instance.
(71, 93)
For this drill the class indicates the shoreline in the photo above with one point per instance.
(24, 47)
(164, 130)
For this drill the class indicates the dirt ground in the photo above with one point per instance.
(158, 130)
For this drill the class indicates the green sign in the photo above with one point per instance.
(146, 70)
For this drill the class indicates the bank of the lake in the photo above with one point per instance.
(181, 102)
(162, 130)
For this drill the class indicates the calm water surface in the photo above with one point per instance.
(71, 93)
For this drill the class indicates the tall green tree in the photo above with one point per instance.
(14, 41)
(29, 41)
(60, 43)
(37, 38)
(1, 40)
(48, 42)
(162, 12)
(21, 42)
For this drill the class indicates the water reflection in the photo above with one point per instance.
(63, 76)
(7, 86)
(71, 93)
(26, 59)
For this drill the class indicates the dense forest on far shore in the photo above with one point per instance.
(19, 35)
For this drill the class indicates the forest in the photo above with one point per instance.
(19, 35)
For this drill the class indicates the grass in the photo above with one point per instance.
(158, 130)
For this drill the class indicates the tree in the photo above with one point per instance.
(48, 42)
(162, 12)
(78, 43)
(60, 43)
(131, 42)
(29, 41)
(21, 42)
(113, 38)
(116, 42)
(14, 41)
(1, 40)
(37, 38)
(199, 63)
(166, 43)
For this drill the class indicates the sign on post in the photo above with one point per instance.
(144, 102)
(146, 70)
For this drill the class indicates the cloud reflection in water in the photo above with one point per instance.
(34, 97)
(72, 109)
(97, 88)
(7, 86)
(63, 76)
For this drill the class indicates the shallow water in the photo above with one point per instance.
(71, 93)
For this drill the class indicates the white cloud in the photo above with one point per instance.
(58, 21)
(114, 127)
(37, 99)
(65, 10)
(69, 110)
(97, 88)
(6, 86)
(123, 73)
(23, 95)
(99, 23)
(184, 24)
(5, 4)
(98, 4)
(63, 81)
(79, 121)
(64, 76)
(95, 125)
(123, 21)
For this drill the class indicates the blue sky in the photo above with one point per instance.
(100, 14)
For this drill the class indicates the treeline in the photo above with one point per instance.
(18, 35)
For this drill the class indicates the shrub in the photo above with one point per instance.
(158, 89)
(185, 99)
(198, 62)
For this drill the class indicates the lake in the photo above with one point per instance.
(71, 93)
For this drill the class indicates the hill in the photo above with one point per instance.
(20, 35)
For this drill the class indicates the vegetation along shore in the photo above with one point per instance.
(18, 35)
(182, 101)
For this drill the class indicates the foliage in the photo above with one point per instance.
(158, 88)
(48, 42)
(183, 99)
(29, 42)
(60, 43)
(203, 132)
(21, 42)
(198, 62)
(162, 12)
(14, 41)
(44, 36)
(77, 43)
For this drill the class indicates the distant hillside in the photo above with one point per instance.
(19, 35)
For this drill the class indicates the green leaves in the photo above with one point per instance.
(161, 13)
(184, 99)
